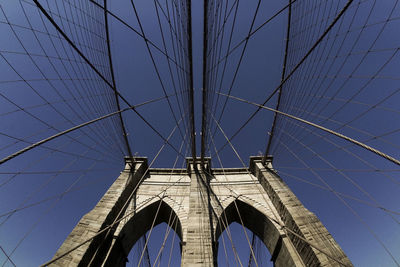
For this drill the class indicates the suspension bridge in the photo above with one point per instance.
(199, 133)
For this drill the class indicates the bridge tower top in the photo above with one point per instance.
(200, 203)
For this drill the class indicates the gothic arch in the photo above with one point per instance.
(280, 248)
(189, 206)
(137, 226)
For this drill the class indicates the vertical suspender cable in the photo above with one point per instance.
(191, 91)
(205, 84)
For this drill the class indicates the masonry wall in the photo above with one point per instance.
(199, 204)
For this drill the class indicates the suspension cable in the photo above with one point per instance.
(365, 146)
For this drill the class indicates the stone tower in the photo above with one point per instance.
(199, 202)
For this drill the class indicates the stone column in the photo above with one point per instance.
(299, 219)
(105, 213)
(199, 248)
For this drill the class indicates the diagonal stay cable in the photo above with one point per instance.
(253, 239)
(216, 45)
(342, 136)
(215, 103)
(46, 156)
(179, 21)
(170, 222)
(174, 83)
(41, 121)
(60, 195)
(341, 199)
(47, 182)
(344, 148)
(282, 78)
(175, 218)
(163, 195)
(107, 30)
(127, 215)
(178, 51)
(8, 257)
(155, 66)
(78, 127)
(81, 86)
(121, 216)
(237, 196)
(45, 78)
(294, 69)
(26, 140)
(130, 107)
(342, 174)
(35, 90)
(225, 224)
(171, 249)
(80, 55)
(356, 129)
(323, 187)
(36, 222)
(213, 50)
(276, 219)
(337, 170)
(67, 171)
(221, 29)
(327, 169)
(238, 64)
(138, 33)
(251, 34)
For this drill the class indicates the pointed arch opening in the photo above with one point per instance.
(253, 220)
(139, 225)
(160, 247)
(238, 246)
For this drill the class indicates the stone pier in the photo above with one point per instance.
(199, 203)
